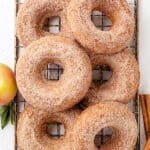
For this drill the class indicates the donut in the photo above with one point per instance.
(123, 83)
(32, 15)
(32, 124)
(94, 39)
(113, 115)
(47, 94)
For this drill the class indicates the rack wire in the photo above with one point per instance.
(100, 75)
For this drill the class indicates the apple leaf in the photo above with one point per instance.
(7, 114)
(3, 109)
(4, 119)
(11, 114)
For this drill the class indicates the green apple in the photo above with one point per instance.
(8, 87)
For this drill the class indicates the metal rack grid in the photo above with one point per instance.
(100, 75)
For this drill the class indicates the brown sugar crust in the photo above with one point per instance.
(123, 83)
(32, 14)
(49, 94)
(32, 124)
(94, 39)
(113, 115)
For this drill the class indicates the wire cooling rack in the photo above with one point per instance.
(100, 75)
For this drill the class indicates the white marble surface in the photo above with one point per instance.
(7, 56)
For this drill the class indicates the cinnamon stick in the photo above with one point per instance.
(145, 103)
(147, 98)
(147, 146)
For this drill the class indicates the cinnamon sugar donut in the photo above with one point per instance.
(32, 14)
(123, 84)
(31, 130)
(47, 94)
(94, 39)
(113, 115)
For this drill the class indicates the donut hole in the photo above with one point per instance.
(52, 24)
(101, 20)
(101, 74)
(55, 130)
(53, 72)
(82, 104)
(103, 136)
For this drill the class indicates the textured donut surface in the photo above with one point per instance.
(113, 115)
(48, 94)
(32, 124)
(32, 15)
(94, 39)
(123, 83)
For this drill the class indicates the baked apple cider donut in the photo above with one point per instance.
(94, 39)
(33, 13)
(123, 83)
(49, 94)
(113, 115)
(32, 131)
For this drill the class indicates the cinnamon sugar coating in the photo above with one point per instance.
(47, 94)
(114, 115)
(94, 39)
(32, 124)
(123, 83)
(32, 14)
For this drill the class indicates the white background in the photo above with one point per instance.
(7, 56)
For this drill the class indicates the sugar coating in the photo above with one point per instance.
(114, 115)
(31, 15)
(31, 129)
(92, 38)
(54, 95)
(124, 82)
